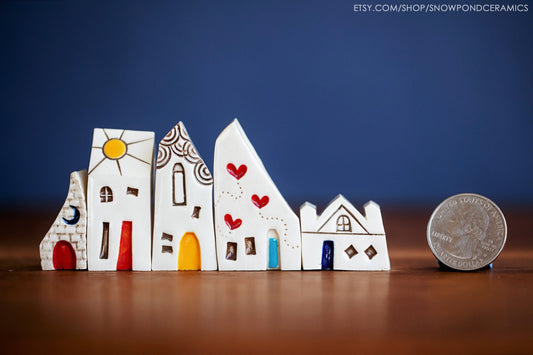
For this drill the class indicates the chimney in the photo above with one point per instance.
(308, 217)
(373, 218)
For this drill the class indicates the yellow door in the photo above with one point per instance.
(189, 257)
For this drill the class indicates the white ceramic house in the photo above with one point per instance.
(119, 200)
(184, 237)
(254, 226)
(342, 239)
(65, 244)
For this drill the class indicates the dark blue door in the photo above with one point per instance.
(327, 255)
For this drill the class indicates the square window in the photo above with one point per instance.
(196, 212)
(166, 249)
(371, 252)
(231, 251)
(167, 236)
(132, 191)
(351, 251)
(249, 244)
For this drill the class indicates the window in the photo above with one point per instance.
(196, 212)
(166, 249)
(350, 251)
(106, 194)
(178, 185)
(249, 244)
(343, 224)
(104, 249)
(231, 251)
(166, 236)
(371, 252)
(132, 191)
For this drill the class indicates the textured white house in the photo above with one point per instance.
(119, 200)
(184, 237)
(254, 226)
(65, 244)
(343, 239)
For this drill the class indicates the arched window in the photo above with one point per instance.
(106, 194)
(178, 185)
(343, 224)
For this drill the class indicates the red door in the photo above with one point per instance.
(124, 252)
(64, 257)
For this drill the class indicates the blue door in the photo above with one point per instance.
(327, 255)
(273, 253)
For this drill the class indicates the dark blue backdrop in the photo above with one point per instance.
(391, 107)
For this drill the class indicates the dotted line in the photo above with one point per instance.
(284, 226)
(233, 196)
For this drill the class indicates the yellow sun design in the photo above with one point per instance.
(116, 149)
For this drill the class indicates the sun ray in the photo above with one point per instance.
(144, 140)
(96, 147)
(119, 169)
(139, 159)
(96, 166)
(122, 134)
(105, 133)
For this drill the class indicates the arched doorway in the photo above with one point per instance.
(64, 257)
(189, 257)
(327, 255)
(273, 250)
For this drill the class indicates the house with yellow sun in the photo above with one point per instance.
(119, 200)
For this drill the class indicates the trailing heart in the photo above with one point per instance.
(236, 173)
(260, 202)
(232, 224)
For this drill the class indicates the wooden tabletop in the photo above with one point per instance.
(414, 308)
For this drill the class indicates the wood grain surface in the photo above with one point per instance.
(414, 308)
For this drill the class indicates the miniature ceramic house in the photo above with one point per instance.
(118, 200)
(184, 238)
(65, 244)
(255, 228)
(342, 239)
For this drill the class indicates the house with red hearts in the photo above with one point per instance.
(255, 228)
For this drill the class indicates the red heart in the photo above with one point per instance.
(232, 224)
(236, 173)
(260, 202)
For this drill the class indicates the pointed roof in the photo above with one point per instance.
(178, 143)
(234, 132)
(338, 203)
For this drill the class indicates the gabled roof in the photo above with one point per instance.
(338, 203)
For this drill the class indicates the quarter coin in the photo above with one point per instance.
(467, 232)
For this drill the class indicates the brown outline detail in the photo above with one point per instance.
(349, 212)
(350, 248)
(343, 224)
(139, 159)
(167, 249)
(104, 249)
(182, 171)
(104, 198)
(97, 165)
(177, 142)
(371, 252)
(132, 191)
(249, 246)
(166, 236)
(229, 254)
(196, 212)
